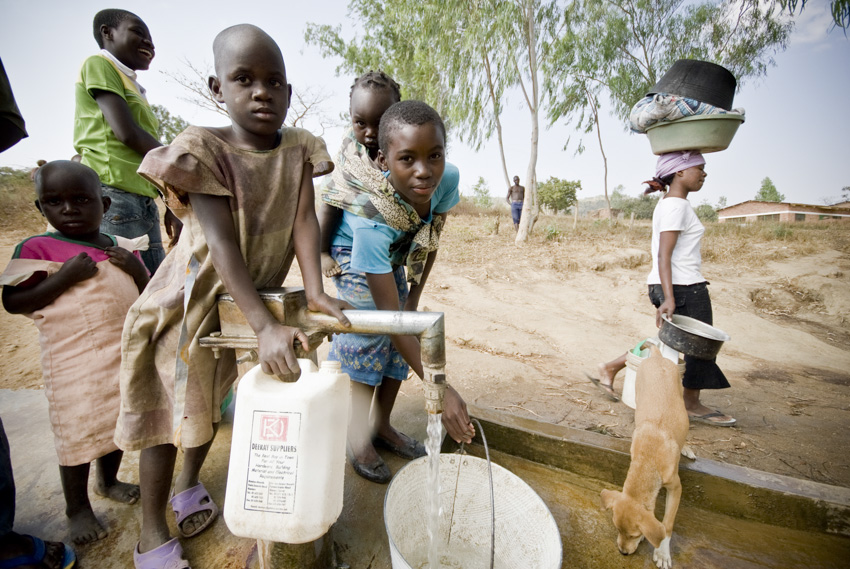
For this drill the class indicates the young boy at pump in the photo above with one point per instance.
(245, 195)
(77, 284)
(389, 236)
(114, 127)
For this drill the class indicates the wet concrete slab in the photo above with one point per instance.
(702, 538)
(714, 486)
(361, 541)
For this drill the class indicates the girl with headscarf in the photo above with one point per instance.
(675, 282)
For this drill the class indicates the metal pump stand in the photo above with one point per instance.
(289, 306)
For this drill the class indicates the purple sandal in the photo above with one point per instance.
(195, 499)
(169, 555)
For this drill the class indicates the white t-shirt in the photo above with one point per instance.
(676, 214)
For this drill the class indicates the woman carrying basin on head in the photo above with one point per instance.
(676, 284)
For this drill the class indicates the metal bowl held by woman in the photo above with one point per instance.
(692, 337)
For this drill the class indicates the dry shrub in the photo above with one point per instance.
(467, 207)
(754, 244)
(18, 216)
(555, 244)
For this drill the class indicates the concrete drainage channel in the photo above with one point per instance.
(730, 516)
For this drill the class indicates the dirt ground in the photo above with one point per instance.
(523, 324)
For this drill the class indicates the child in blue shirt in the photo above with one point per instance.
(391, 222)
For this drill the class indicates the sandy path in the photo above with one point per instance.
(524, 324)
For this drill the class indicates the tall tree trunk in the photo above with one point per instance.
(531, 206)
(595, 111)
(496, 119)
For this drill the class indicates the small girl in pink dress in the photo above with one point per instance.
(77, 284)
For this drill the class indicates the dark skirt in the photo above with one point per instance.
(693, 300)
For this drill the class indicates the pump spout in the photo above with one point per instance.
(289, 306)
(429, 327)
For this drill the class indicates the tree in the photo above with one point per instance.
(305, 106)
(840, 10)
(460, 56)
(643, 206)
(634, 42)
(560, 195)
(721, 202)
(622, 47)
(768, 192)
(706, 212)
(481, 193)
(169, 125)
(450, 54)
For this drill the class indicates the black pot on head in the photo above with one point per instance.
(701, 80)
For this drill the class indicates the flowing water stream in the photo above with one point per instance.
(432, 445)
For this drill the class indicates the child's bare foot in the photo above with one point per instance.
(606, 378)
(85, 528)
(605, 381)
(330, 268)
(119, 491)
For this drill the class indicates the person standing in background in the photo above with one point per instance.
(516, 196)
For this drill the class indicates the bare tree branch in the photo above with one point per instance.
(194, 81)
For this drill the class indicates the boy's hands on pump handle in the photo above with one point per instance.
(667, 307)
(275, 350)
(455, 418)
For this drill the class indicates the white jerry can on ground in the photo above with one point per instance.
(287, 455)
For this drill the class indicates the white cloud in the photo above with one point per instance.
(813, 23)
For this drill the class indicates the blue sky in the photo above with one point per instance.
(796, 130)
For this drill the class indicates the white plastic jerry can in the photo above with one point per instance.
(287, 455)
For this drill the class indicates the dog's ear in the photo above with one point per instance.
(608, 498)
(653, 349)
(651, 528)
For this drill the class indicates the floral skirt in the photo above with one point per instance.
(366, 358)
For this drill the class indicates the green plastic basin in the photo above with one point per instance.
(706, 133)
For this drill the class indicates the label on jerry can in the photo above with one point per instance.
(273, 462)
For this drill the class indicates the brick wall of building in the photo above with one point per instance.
(751, 211)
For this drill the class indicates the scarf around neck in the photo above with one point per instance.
(359, 188)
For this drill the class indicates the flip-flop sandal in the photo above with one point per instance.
(195, 499)
(377, 471)
(608, 391)
(707, 419)
(410, 449)
(169, 555)
(37, 556)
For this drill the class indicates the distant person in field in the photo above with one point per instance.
(114, 127)
(516, 195)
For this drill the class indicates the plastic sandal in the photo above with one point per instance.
(409, 449)
(169, 555)
(708, 416)
(195, 499)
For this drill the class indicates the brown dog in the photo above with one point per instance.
(661, 426)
